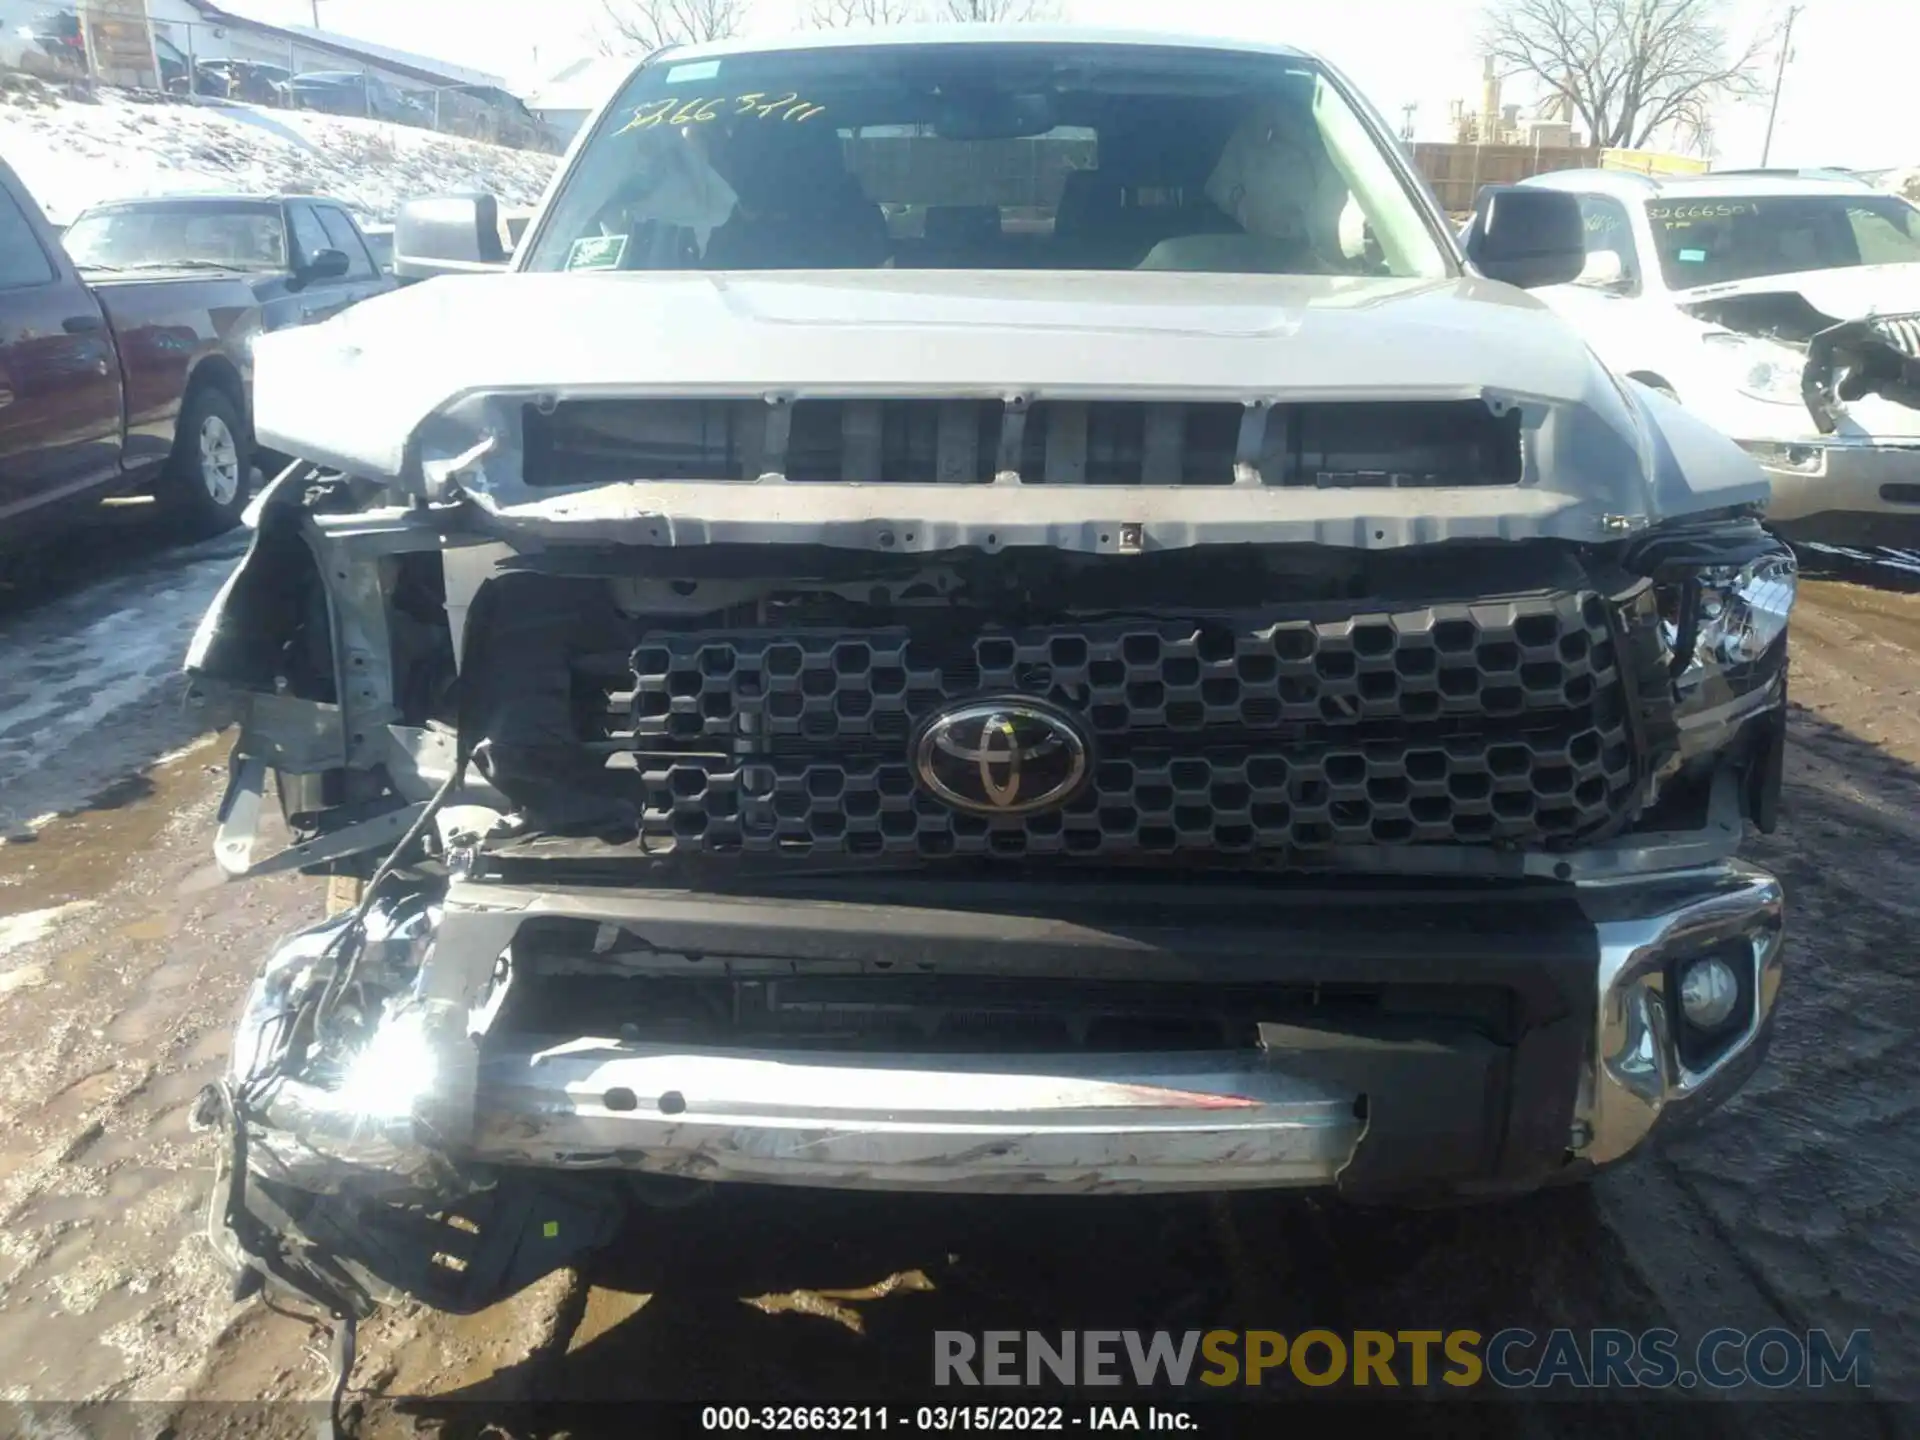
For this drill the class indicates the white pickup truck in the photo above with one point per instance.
(947, 623)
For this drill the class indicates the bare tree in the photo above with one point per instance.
(993, 12)
(1628, 69)
(844, 14)
(649, 25)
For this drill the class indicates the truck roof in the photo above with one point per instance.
(1630, 185)
(210, 199)
(963, 34)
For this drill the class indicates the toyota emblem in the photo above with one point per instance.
(1002, 756)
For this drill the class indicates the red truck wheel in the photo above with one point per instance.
(208, 477)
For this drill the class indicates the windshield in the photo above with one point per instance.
(1711, 242)
(243, 238)
(1060, 157)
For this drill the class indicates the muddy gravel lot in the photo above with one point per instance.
(123, 957)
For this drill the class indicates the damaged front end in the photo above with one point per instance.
(1854, 359)
(341, 1110)
(985, 793)
(1828, 404)
(1846, 359)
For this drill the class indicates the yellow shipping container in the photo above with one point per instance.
(1652, 162)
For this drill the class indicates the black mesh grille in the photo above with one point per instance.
(1900, 331)
(1460, 723)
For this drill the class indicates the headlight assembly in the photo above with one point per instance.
(1739, 611)
(1761, 370)
(1710, 621)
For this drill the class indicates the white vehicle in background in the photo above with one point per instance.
(1783, 308)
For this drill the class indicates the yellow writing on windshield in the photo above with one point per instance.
(700, 109)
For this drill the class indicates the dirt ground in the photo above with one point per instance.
(123, 957)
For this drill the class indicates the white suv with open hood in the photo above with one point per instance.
(1785, 310)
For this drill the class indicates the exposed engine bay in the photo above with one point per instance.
(916, 846)
(638, 804)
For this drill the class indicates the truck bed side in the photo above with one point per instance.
(175, 332)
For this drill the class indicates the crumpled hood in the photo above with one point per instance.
(1850, 293)
(402, 377)
(356, 386)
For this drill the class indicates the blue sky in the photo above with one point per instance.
(1846, 100)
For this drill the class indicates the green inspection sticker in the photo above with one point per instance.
(698, 70)
(551, 1230)
(597, 252)
(1693, 257)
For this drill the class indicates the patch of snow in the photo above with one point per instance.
(18, 931)
(73, 153)
(101, 654)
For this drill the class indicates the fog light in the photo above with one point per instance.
(1708, 992)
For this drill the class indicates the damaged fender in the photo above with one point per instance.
(342, 1186)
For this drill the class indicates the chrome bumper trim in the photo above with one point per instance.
(1636, 1080)
(1075, 1123)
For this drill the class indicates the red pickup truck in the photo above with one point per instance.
(135, 383)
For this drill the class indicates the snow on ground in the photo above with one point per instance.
(90, 683)
(73, 153)
(19, 931)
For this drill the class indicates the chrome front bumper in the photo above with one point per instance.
(1077, 1123)
(1638, 1077)
(905, 1122)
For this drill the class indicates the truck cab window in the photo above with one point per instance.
(343, 237)
(1612, 261)
(22, 262)
(309, 237)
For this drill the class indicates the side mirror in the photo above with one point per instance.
(448, 235)
(325, 265)
(1527, 236)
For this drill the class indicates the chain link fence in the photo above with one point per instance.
(259, 66)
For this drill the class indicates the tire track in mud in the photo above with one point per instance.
(107, 1289)
(1807, 1178)
(1809, 1171)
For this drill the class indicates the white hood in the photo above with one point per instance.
(1850, 293)
(436, 377)
(352, 392)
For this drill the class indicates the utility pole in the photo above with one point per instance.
(1406, 121)
(316, 14)
(1779, 75)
